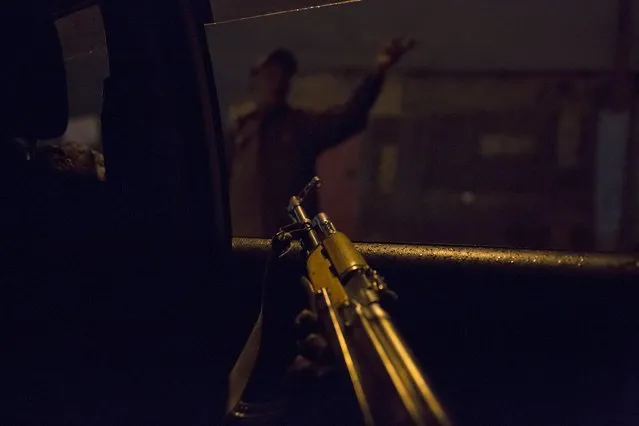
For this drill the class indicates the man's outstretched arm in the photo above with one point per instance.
(338, 124)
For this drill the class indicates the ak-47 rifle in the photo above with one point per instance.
(389, 387)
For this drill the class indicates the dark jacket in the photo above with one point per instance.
(271, 156)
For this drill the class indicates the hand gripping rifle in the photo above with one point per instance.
(388, 385)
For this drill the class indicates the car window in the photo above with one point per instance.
(507, 125)
(86, 61)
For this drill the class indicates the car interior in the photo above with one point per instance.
(128, 300)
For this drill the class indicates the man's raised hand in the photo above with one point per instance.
(393, 51)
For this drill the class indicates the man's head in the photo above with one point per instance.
(271, 78)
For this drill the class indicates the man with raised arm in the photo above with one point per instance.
(272, 150)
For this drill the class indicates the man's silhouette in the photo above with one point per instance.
(272, 150)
